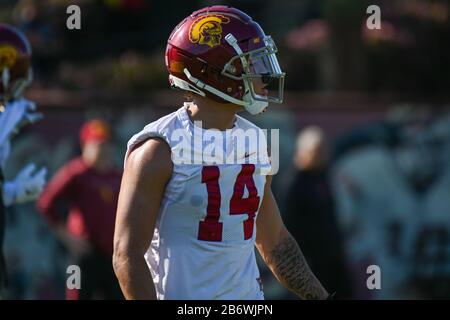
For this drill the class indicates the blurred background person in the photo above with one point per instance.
(89, 185)
(310, 215)
(393, 205)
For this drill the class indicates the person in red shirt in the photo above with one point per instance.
(89, 186)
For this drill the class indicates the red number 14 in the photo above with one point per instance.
(210, 229)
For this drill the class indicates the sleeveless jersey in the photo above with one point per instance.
(203, 243)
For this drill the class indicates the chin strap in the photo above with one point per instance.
(184, 85)
(251, 105)
(213, 90)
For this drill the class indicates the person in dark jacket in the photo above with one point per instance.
(310, 213)
(89, 186)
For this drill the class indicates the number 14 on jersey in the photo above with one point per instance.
(210, 229)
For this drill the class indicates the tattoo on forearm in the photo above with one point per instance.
(289, 265)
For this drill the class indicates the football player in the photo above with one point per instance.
(15, 112)
(187, 230)
(393, 207)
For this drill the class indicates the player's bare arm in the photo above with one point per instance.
(147, 171)
(281, 252)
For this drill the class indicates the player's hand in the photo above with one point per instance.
(30, 115)
(16, 115)
(25, 187)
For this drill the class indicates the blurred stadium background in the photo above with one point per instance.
(380, 96)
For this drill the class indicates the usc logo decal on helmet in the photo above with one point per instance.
(8, 56)
(207, 30)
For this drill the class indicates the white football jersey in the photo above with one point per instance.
(203, 243)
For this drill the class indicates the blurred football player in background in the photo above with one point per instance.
(15, 112)
(188, 230)
(393, 205)
(89, 186)
(310, 206)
